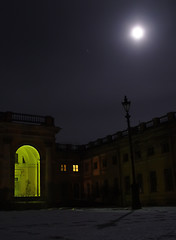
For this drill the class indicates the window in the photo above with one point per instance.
(64, 189)
(168, 179)
(76, 190)
(164, 147)
(127, 185)
(115, 187)
(153, 182)
(75, 168)
(104, 162)
(150, 151)
(88, 189)
(97, 191)
(125, 157)
(105, 187)
(114, 160)
(137, 155)
(95, 165)
(63, 168)
(86, 167)
(140, 182)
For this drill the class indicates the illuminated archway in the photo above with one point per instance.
(27, 172)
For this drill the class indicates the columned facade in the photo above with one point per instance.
(26, 145)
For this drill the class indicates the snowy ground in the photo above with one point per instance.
(88, 224)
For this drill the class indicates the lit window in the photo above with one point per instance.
(75, 168)
(63, 168)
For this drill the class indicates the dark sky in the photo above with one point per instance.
(74, 60)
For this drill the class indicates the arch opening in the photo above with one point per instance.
(27, 172)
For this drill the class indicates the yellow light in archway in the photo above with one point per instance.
(27, 172)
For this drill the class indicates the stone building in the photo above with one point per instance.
(27, 146)
(37, 171)
(105, 174)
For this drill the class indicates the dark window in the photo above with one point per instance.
(168, 179)
(127, 185)
(114, 160)
(104, 162)
(153, 181)
(86, 166)
(138, 155)
(115, 187)
(140, 182)
(150, 151)
(97, 189)
(64, 189)
(125, 157)
(165, 147)
(105, 187)
(76, 190)
(88, 189)
(95, 165)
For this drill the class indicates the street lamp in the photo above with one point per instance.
(134, 187)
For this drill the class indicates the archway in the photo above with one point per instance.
(27, 172)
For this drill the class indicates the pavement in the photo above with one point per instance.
(154, 223)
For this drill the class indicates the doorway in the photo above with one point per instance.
(27, 172)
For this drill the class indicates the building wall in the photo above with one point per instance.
(106, 175)
(13, 135)
(98, 172)
(67, 177)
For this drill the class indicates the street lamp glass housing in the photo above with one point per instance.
(126, 104)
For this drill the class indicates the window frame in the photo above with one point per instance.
(63, 167)
(75, 168)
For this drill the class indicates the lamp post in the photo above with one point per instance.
(134, 187)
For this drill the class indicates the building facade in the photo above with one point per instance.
(34, 169)
(27, 145)
(105, 166)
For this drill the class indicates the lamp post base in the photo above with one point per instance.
(135, 196)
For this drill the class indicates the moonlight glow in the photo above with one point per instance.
(137, 33)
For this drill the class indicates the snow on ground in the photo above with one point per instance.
(157, 223)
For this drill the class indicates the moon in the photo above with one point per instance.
(137, 32)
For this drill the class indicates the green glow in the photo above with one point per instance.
(27, 172)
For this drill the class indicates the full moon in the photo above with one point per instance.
(137, 32)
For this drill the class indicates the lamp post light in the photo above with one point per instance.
(134, 187)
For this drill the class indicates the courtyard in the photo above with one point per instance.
(157, 223)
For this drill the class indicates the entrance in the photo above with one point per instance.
(27, 172)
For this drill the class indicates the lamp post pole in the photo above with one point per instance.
(134, 187)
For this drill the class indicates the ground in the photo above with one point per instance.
(157, 223)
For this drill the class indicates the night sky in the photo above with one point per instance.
(74, 60)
